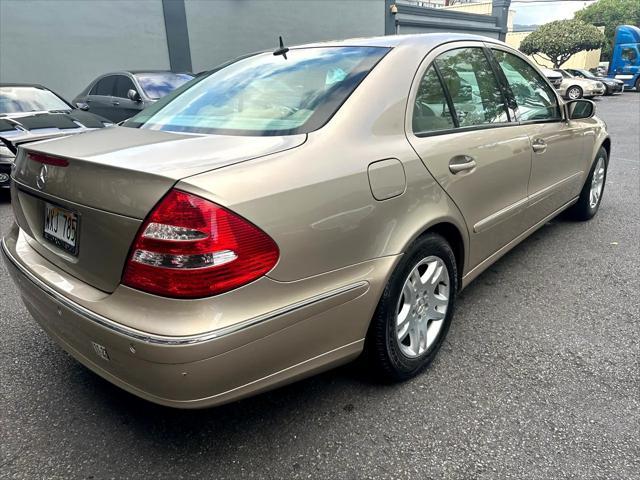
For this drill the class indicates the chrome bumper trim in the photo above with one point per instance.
(171, 340)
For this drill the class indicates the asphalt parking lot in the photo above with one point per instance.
(539, 379)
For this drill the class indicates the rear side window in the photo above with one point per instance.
(104, 86)
(473, 87)
(431, 110)
(534, 97)
(123, 85)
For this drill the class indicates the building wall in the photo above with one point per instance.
(224, 29)
(482, 8)
(64, 44)
(585, 59)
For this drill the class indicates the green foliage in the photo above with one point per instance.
(561, 39)
(610, 14)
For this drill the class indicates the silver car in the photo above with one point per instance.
(574, 88)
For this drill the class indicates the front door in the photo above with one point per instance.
(557, 146)
(461, 129)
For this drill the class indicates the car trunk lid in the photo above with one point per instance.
(109, 180)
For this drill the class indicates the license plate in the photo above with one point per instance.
(61, 227)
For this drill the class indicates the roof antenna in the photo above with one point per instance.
(282, 50)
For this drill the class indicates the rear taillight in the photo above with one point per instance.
(190, 247)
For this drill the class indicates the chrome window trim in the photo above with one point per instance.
(164, 339)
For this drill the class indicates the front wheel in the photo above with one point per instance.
(415, 310)
(574, 92)
(591, 195)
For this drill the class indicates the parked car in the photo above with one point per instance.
(120, 95)
(271, 221)
(554, 77)
(574, 88)
(625, 60)
(32, 112)
(611, 85)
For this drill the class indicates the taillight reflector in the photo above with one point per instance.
(48, 160)
(190, 247)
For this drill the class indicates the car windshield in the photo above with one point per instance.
(158, 84)
(265, 94)
(587, 74)
(29, 99)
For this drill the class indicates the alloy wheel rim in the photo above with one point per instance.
(597, 183)
(574, 93)
(422, 306)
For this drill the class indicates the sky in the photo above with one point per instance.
(529, 12)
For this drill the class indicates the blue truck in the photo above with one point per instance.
(625, 61)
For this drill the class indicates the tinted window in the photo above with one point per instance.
(473, 87)
(159, 84)
(265, 94)
(104, 86)
(123, 85)
(535, 98)
(431, 111)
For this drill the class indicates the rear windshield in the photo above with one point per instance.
(158, 84)
(29, 99)
(265, 94)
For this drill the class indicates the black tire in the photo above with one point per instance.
(574, 88)
(583, 209)
(382, 348)
(607, 91)
(638, 85)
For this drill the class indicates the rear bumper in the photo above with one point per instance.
(208, 368)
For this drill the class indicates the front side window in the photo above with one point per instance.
(158, 84)
(105, 86)
(123, 85)
(29, 99)
(473, 87)
(265, 94)
(629, 54)
(431, 110)
(534, 97)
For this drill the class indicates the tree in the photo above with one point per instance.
(610, 14)
(561, 39)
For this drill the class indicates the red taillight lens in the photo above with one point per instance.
(190, 247)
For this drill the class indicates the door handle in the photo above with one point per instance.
(539, 145)
(461, 163)
(115, 103)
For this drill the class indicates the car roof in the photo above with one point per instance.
(137, 72)
(33, 85)
(429, 40)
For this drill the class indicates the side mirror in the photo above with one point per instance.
(82, 106)
(133, 95)
(579, 109)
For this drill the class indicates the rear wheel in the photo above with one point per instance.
(574, 92)
(415, 310)
(591, 194)
(638, 85)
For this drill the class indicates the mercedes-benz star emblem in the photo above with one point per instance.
(42, 177)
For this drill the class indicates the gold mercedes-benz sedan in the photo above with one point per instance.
(292, 210)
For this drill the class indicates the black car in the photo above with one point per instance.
(31, 112)
(611, 85)
(120, 95)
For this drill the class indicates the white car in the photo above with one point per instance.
(574, 88)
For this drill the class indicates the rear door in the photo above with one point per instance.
(557, 146)
(100, 97)
(460, 126)
(124, 106)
